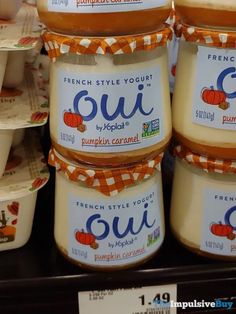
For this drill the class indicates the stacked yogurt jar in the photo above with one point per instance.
(110, 123)
(23, 106)
(203, 217)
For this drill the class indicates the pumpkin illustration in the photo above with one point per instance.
(94, 246)
(221, 230)
(8, 231)
(71, 119)
(82, 128)
(38, 117)
(85, 238)
(213, 97)
(231, 236)
(14, 222)
(27, 41)
(13, 208)
(224, 105)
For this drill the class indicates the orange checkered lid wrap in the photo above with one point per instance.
(208, 37)
(57, 44)
(208, 164)
(107, 181)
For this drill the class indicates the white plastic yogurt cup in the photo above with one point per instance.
(25, 174)
(9, 237)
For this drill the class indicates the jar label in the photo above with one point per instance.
(219, 223)
(110, 112)
(103, 6)
(214, 103)
(115, 231)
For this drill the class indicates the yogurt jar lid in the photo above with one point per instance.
(25, 106)
(108, 181)
(208, 164)
(57, 44)
(205, 36)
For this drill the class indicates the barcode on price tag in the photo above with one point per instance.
(145, 300)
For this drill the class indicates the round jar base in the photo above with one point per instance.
(204, 17)
(128, 23)
(205, 149)
(112, 159)
(64, 253)
(196, 249)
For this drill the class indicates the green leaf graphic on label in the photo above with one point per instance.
(45, 105)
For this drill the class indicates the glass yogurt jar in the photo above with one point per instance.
(109, 97)
(100, 18)
(204, 195)
(204, 102)
(208, 13)
(108, 219)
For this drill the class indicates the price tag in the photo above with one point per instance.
(145, 300)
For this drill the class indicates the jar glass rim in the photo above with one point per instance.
(208, 37)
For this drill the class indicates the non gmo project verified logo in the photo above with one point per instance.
(151, 128)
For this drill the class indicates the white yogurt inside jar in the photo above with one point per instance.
(203, 205)
(25, 173)
(111, 108)
(108, 219)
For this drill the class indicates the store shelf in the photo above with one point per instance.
(37, 279)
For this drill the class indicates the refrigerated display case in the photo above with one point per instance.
(37, 279)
